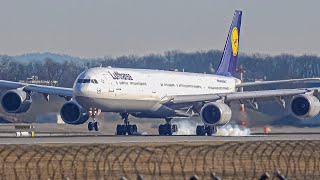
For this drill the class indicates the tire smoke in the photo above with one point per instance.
(189, 128)
(233, 130)
(186, 127)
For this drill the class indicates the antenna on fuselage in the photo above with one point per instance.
(241, 71)
(243, 115)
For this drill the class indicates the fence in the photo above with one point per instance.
(231, 160)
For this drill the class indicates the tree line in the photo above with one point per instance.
(256, 66)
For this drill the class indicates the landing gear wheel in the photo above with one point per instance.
(121, 129)
(90, 126)
(167, 129)
(215, 130)
(96, 126)
(161, 130)
(206, 130)
(135, 128)
(209, 131)
(201, 131)
(126, 127)
(130, 129)
(175, 128)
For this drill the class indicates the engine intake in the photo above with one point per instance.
(72, 113)
(305, 106)
(16, 101)
(215, 114)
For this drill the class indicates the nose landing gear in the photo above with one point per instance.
(123, 129)
(168, 128)
(94, 125)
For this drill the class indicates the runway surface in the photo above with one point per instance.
(67, 134)
(111, 139)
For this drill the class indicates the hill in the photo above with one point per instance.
(39, 57)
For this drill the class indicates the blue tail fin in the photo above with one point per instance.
(229, 58)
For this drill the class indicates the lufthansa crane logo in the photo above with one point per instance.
(235, 41)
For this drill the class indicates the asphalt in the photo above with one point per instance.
(111, 139)
(67, 134)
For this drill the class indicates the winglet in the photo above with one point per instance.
(229, 58)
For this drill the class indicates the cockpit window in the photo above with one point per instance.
(86, 81)
(80, 81)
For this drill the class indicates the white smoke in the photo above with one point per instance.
(233, 130)
(186, 128)
(189, 128)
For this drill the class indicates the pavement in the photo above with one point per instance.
(112, 139)
(67, 134)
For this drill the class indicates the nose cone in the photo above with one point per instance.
(84, 85)
(81, 90)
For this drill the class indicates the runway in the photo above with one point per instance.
(112, 139)
(66, 134)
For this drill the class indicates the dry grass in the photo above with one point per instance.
(232, 160)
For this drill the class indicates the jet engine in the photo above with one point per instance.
(16, 101)
(72, 113)
(215, 114)
(305, 106)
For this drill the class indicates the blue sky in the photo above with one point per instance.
(104, 27)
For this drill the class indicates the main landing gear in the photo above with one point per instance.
(123, 129)
(206, 130)
(168, 128)
(94, 125)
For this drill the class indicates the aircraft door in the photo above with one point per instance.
(109, 84)
(152, 85)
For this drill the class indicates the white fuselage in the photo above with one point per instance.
(136, 90)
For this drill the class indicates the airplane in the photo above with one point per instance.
(163, 94)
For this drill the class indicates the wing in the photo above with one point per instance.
(52, 90)
(247, 84)
(228, 97)
(244, 95)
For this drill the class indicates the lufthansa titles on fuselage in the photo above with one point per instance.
(123, 76)
(221, 81)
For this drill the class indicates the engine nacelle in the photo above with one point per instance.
(72, 113)
(16, 101)
(305, 106)
(215, 114)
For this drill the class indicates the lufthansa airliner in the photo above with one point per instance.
(161, 94)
